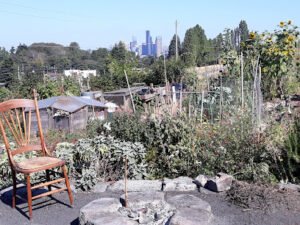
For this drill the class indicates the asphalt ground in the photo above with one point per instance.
(55, 210)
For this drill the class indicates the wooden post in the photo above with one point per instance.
(125, 179)
(165, 73)
(242, 78)
(189, 106)
(180, 100)
(133, 106)
(221, 98)
(176, 45)
(259, 96)
(201, 113)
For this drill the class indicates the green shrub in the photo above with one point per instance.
(102, 158)
(292, 152)
(183, 147)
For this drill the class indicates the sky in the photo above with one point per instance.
(102, 23)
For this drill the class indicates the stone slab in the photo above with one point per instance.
(189, 201)
(179, 184)
(136, 186)
(140, 199)
(190, 216)
(97, 207)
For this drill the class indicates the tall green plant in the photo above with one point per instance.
(293, 152)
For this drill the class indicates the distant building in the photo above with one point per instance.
(148, 48)
(144, 49)
(152, 49)
(69, 113)
(133, 46)
(158, 45)
(148, 43)
(80, 73)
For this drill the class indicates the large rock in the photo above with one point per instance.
(100, 187)
(179, 184)
(97, 208)
(190, 216)
(140, 199)
(108, 219)
(201, 180)
(221, 183)
(136, 186)
(189, 201)
(289, 187)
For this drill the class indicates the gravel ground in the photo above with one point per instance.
(56, 211)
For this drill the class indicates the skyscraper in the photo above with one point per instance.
(134, 46)
(149, 48)
(148, 43)
(158, 45)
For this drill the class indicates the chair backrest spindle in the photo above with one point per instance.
(15, 125)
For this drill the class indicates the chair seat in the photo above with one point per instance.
(38, 163)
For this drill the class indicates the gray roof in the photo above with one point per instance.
(124, 91)
(69, 103)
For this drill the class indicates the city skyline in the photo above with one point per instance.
(95, 24)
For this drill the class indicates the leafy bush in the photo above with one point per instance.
(102, 158)
(292, 153)
(183, 146)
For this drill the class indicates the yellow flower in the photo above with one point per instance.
(289, 22)
(252, 35)
(290, 38)
(285, 53)
(281, 24)
(265, 70)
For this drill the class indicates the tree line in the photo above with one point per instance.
(24, 67)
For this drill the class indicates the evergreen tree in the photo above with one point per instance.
(195, 47)
(172, 46)
(244, 32)
(7, 72)
(118, 52)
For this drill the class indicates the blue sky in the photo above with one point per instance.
(95, 24)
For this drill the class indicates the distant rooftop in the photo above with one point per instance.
(69, 103)
(124, 91)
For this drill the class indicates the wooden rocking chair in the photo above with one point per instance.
(16, 117)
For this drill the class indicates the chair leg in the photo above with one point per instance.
(14, 189)
(64, 168)
(29, 195)
(48, 179)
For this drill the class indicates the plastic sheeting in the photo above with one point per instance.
(69, 103)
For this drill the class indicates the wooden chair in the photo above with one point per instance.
(16, 118)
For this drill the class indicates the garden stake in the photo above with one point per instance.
(126, 194)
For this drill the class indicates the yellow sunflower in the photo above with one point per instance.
(252, 35)
(291, 38)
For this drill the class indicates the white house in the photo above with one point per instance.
(80, 73)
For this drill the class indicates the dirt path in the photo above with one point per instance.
(55, 211)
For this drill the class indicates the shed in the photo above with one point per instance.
(121, 97)
(69, 113)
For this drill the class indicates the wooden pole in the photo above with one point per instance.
(221, 98)
(242, 78)
(180, 94)
(176, 45)
(165, 73)
(125, 178)
(259, 98)
(190, 106)
(201, 114)
(131, 97)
